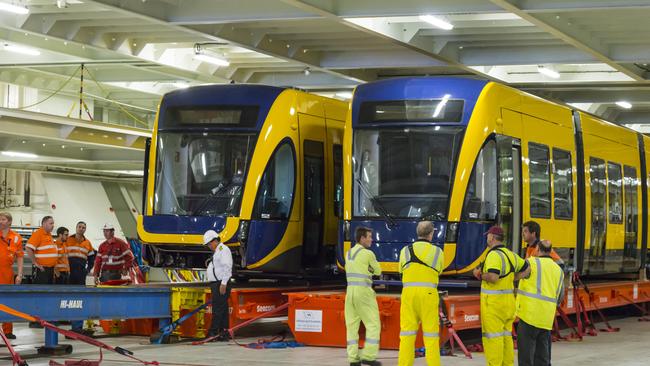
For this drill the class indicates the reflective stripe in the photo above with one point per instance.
(435, 258)
(79, 249)
(406, 333)
(539, 276)
(55, 255)
(497, 292)
(536, 296)
(30, 246)
(560, 286)
(47, 247)
(420, 284)
(362, 284)
(431, 334)
(372, 341)
(352, 256)
(353, 342)
(503, 262)
(116, 256)
(497, 335)
(358, 275)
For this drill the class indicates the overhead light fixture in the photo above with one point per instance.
(61, 4)
(306, 71)
(11, 8)
(181, 85)
(437, 22)
(16, 154)
(441, 105)
(344, 95)
(22, 50)
(624, 104)
(548, 72)
(204, 55)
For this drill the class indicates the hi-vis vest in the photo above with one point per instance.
(507, 263)
(424, 270)
(537, 295)
(360, 265)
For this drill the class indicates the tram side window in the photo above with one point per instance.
(276, 190)
(631, 184)
(481, 197)
(614, 185)
(540, 181)
(562, 184)
(337, 154)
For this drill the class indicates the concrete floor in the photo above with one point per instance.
(627, 348)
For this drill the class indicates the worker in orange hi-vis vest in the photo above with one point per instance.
(62, 268)
(11, 251)
(43, 252)
(81, 255)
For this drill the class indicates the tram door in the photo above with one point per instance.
(509, 190)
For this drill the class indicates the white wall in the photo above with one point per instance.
(78, 199)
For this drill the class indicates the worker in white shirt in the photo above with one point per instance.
(219, 272)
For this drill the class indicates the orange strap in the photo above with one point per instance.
(16, 313)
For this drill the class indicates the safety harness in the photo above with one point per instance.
(504, 257)
(415, 259)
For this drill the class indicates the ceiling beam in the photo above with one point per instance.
(571, 35)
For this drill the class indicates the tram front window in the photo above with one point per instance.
(404, 172)
(201, 174)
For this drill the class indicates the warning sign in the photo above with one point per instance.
(309, 321)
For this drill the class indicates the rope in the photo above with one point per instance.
(133, 117)
(55, 92)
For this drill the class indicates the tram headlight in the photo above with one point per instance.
(451, 236)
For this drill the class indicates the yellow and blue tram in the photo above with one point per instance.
(467, 154)
(260, 165)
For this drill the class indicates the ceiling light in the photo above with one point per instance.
(441, 105)
(624, 104)
(61, 4)
(306, 71)
(11, 8)
(16, 154)
(212, 59)
(437, 22)
(22, 50)
(181, 85)
(548, 72)
(344, 95)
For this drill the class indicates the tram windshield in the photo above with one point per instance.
(201, 173)
(404, 172)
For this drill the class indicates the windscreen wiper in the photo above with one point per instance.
(377, 205)
(210, 198)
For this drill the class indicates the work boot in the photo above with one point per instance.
(10, 336)
(371, 363)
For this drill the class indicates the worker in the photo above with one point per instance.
(62, 268)
(497, 274)
(420, 264)
(360, 299)
(81, 255)
(538, 295)
(43, 252)
(531, 234)
(114, 257)
(219, 273)
(11, 251)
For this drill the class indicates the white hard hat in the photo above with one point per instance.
(108, 226)
(209, 236)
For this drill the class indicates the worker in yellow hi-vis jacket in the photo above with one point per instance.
(420, 264)
(360, 300)
(498, 273)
